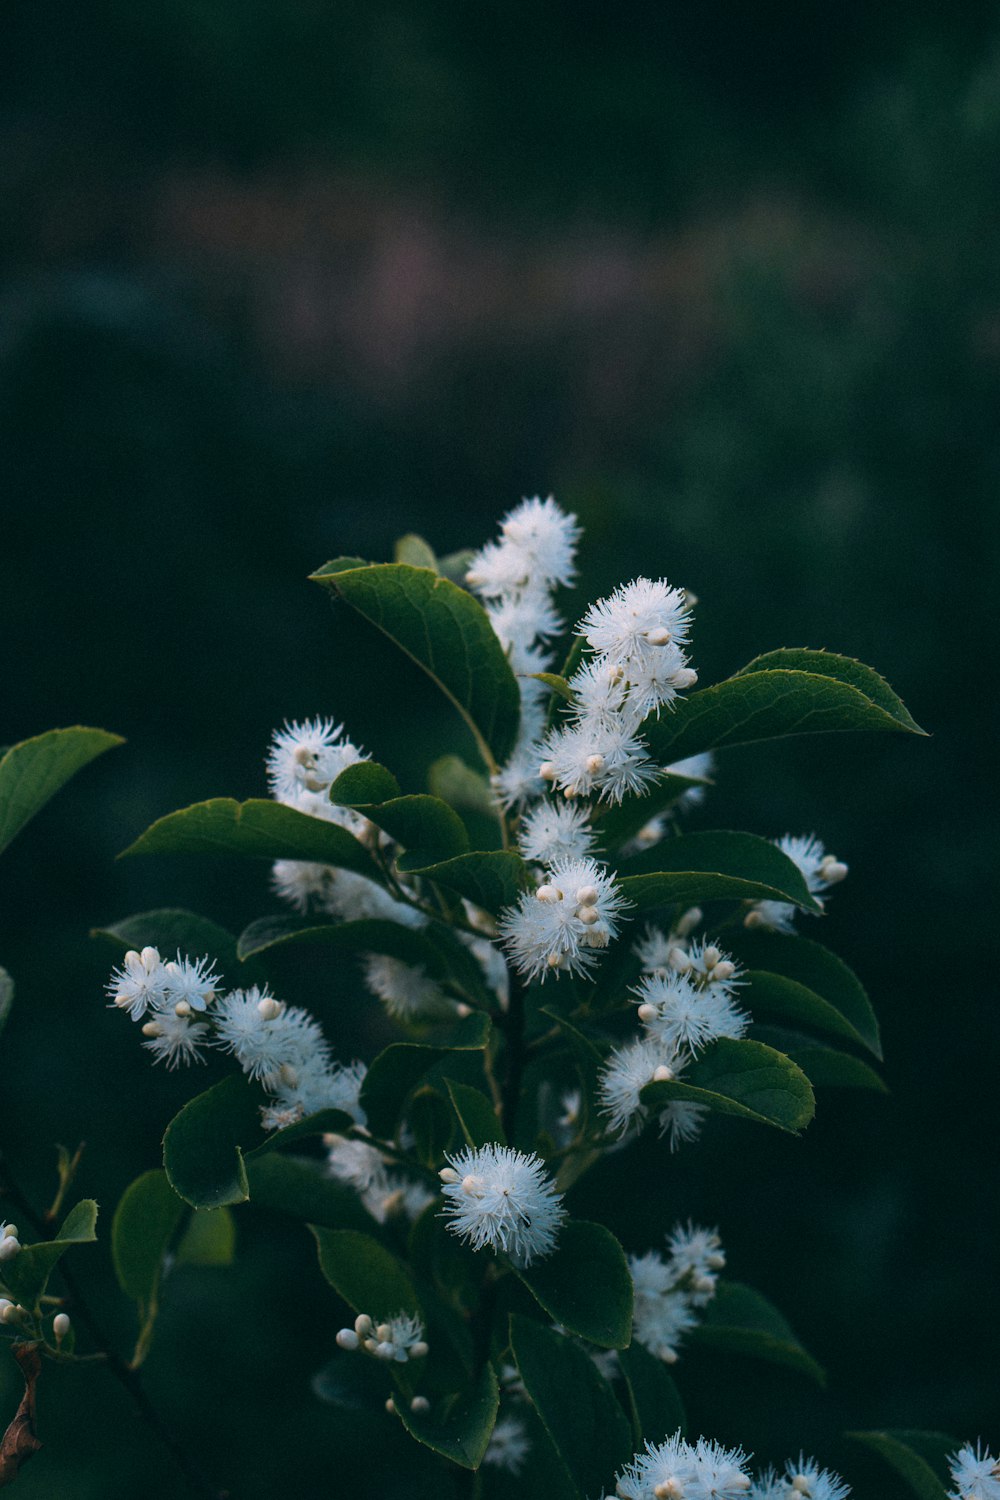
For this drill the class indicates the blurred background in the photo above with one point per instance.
(286, 280)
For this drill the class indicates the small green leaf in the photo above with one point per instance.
(657, 1409)
(209, 1239)
(459, 1427)
(144, 1224)
(27, 1275)
(6, 997)
(202, 1147)
(491, 880)
(257, 830)
(716, 866)
(370, 935)
(342, 565)
(446, 631)
(303, 1189)
(476, 1116)
(365, 782)
(739, 1320)
(557, 684)
(396, 1071)
(819, 971)
(585, 1286)
(413, 550)
(460, 786)
(745, 1079)
(367, 1275)
(33, 771)
(919, 1458)
(576, 1405)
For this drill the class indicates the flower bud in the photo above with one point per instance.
(462, 1010)
(711, 956)
(754, 918)
(547, 770)
(587, 895)
(685, 677)
(10, 1229)
(420, 1404)
(390, 1406)
(449, 1175)
(724, 970)
(12, 1313)
(149, 958)
(383, 1332)
(688, 921)
(595, 764)
(182, 1008)
(385, 1350)
(832, 870)
(9, 1247)
(548, 893)
(152, 1028)
(663, 1074)
(347, 1339)
(589, 915)
(647, 1012)
(658, 636)
(418, 1351)
(268, 1008)
(60, 1326)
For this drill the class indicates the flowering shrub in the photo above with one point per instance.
(590, 971)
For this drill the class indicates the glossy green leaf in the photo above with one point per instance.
(772, 697)
(365, 1274)
(453, 1268)
(413, 550)
(146, 1219)
(431, 1121)
(27, 1275)
(303, 1189)
(657, 1409)
(460, 786)
(209, 1239)
(370, 935)
(919, 1458)
(446, 631)
(6, 997)
(739, 1320)
(576, 1405)
(396, 1071)
(33, 771)
(585, 1285)
(459, 1427)
(827, 1068)
(173, 928)
(742, 1078)
(322, 1121)
(203, 1145)
(716, 866)
(491, 880)
(257, 830)
(817, 970)
(424, 826)
(476, 1116)
(365, 782)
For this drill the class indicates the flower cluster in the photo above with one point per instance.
(819, 870)
(975, 1473)
(398, 1339)
(705, 1470)
(670, 1291)
(384, 1192)
(502, 1198)
(563, 924)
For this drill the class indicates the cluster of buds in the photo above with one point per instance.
(9, 1242)
(399, 1339)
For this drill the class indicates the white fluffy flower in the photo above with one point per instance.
(680, 1013)
(558, 927)
(537, 545)
(598, 757)
(308, 758)
(805, 1480)
(300, 882)
(353, 898)
(975, 1473)
(518, 782)
(819, 870)
(637, 621)
(190, 981)
(138, 985)
(696, 1258)
(264, 1044)
(508, 1446)
(503, 1198)
(625, 1075)
(653, 950)
(681, 1121)
(662, 1313)
(175, 1039)
(555, 831)
(406, 991)
(677, 1470)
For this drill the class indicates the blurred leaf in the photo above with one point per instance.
(817, 970)
(144, 1224)
(446, 631)
(202, 1147)
(739, 1320)
(827, 1068)
(394, 1073)
(209, 1239)
(413, 550)
(919, 1458)
(342, 565)
(303, 1189)
(370, 935)
(575, 1403)
(716, 866)
(460, 786)
(34, 770)
(657, 1409)
(452, 1267)
(258, 830)
(458, 1428)
(741, 1078)
(365, 1274)
(492, 880)
(27, 1275)
(585, 1285)
(476, 1116)
(6, 997)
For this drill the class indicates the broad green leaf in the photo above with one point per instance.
(615, 825)
(586, 1055)
(173, 928)
(203, 1145)
(33, 771)
(460, 786)
(476, 1116)
(209, 1239)
(396, 1071)
(716, 866)
(657, 1409)
(585, 1285)
(257, 829)
(425, 826)
(446, 631)
(27, 1275)
(845, 669)
(370, 935)
(763, 703)
(365, 1274)
(412, 549)
(919, 1458)
(304, 1190)
(6, 997)
(745, 1079)
(576, 1405)
(431, 1121)
(819, 971)
(739, 1320)
(144, 1224)
(825, 1067)
(460, 1426)
(335, 1121)
(783, 999)
(491, 880)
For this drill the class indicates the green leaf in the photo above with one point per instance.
(6, 997)
(303, 1189)
(556, 683)
(585, 1285)
(425, 826)
(365, 781)
(476, 1116)
(202, 1147)
(657, 1409)
(342, 565)
(432, 1125)
(444, 630)
(396, 1071)
(716, 866)
(827, 1068)
(460, 1427)
(745, 1079)
(144, 1224)
(460, 786)
(173, 928)
(453, 1268)
(33, 771)
(371, 935)
(615, 825)
(490, 880)
(817, 970)
(365, 1274)
(335, 1121)
(209, 1239)
(919, 1458)
(576, 1405)
(27, 1275)
(258, 830)
(764, 702)
(413, 550)
(739, 1320)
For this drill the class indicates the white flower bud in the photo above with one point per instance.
(383, 1332)
(390, 1406)
(704, 1284)
(472, 1187)
(595, 763)
(711, 956)
(149, 958)
(716, 1261)
(347, 1339)
(663, 1074)
(371, 1345)
(800, 1484)
(668, 1356)
(554, 961)
(10, 1229)
(9, 1247)
(268, 1009)
(547, 770)
(647, 1013)
(132, 958)
(419, 1350)
(182, 1008)
(688, 921)
(658, 636)
(669, 1489)
(362, 1325)
(6, 1306)
(289, 1075)
(152, 1028)
(833, 870)
(385, 1350)
(588, 895)
(678, 960)
(462, 1010)
(448, 1174)
(753, 918)
(588, 915)
(60, 1326)
(548, 893)
(420, 1404)
(685, 677)
(724, 970)
(12, 1313)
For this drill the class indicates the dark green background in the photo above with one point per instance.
(284, 280)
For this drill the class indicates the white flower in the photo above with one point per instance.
(300, 882)
(603, 757)
(637, 621)
(189, 981)
(265, 1045)
(354, 898)
(681, 1014)
(805, 1480)
(407, 993)
(975, 1472)
(138, 985)
(537, 545)
(555, 831)
(681, 1122)
(399, 1339)
(701, 766)
(493, 965)
(705, 964)
(676, 1470)
(560, 925)
(653, 950)
(10, 1245)
(508, 1446)
(308, 758)
(819, 870)
(625, 1075)
(503, 1198)
(662, 1313)
(518, 782)
(696, 1258)
(308, 1083)
(173, 1038)
(769, 1486)
(520, 619)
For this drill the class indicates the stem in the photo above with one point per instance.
(513, 1058)
(197, 1480)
